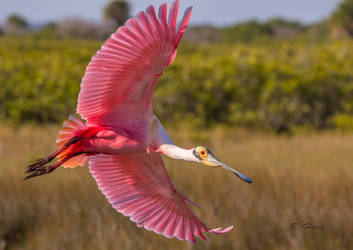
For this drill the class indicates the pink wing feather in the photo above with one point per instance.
(121, 77)
(117, 90)
(138, 186)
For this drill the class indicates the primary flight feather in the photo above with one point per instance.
(122, 139)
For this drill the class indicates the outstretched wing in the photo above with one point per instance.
(138, 186)
(121, 77)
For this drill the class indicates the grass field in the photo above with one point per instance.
(299, 179)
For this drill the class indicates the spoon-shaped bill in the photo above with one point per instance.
(240, 175)
(212, 160)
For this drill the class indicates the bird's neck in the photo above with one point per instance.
(177, 153)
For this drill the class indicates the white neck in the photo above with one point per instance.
(177, 153)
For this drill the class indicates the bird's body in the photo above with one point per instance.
(112, 141)
(121, 138)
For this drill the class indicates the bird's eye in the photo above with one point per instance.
(200, 152)
(203, 154)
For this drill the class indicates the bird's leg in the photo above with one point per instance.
(41, 169)
(41, 162)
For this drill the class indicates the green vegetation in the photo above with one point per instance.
(245, 32)
(280, 85)
(257, 31)
(40, 78)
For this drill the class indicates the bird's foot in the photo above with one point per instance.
(38, 171)
(39, 163)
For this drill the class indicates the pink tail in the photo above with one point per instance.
(72, 127)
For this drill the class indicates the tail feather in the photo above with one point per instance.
(69, 152)
(71, 128)
(79, 160)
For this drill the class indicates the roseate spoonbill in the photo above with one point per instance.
(122, 139)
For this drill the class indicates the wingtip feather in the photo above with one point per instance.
(186, 19)
(162, 12)
(173, 14)
(219, 230)
(183, 24)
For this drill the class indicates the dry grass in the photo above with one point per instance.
(297, 179)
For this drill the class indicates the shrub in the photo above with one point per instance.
(279, 86)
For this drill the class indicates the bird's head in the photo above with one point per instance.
(205, 156)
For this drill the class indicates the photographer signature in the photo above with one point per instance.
(295, 226)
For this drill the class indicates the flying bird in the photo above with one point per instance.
(121, 139)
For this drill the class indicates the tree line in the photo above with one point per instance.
(339, 24)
